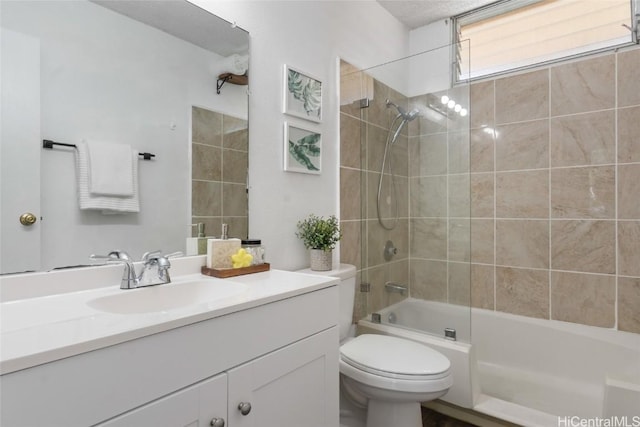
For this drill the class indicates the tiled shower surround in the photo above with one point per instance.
(554, 201)
(219, 172)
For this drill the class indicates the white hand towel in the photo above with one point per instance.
(106, 204)
(110, 169)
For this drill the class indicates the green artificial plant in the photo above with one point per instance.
(319, 233)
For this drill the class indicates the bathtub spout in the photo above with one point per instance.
(392, 287)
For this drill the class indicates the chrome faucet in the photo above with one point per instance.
(155, 269)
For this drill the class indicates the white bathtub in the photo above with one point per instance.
(530, 371)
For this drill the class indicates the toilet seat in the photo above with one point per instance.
(393, 357)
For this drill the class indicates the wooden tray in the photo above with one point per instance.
(232, 272)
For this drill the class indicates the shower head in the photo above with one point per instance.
(402, 113)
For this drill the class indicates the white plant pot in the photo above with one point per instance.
(320, 260)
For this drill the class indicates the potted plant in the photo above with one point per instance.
(320, 236)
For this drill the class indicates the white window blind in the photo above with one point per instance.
(519, 33)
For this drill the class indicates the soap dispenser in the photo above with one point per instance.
(197, 245)
(219, 251)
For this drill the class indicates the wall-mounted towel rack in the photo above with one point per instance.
(47, 143)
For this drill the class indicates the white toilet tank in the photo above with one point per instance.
(347, 288)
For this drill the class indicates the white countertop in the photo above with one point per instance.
(43, 328)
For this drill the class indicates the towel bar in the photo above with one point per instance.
(46, 143)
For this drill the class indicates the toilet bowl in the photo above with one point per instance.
(389, 376)
(392, 375)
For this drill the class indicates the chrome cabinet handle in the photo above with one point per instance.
(217, 422)
(244, 408)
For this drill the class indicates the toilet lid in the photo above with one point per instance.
(394, 357)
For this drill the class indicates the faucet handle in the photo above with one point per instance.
(177, 254)
(147, 256)
(113, 257)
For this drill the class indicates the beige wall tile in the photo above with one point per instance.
(588, 299)
(377, 112)
(581, 86)
(460, 283)
(429, 238)
(629, 248)
(206, 198)
(235, 165)
(392, 191)
(583, 139)
(351, 242)
(428, 196)
(459, 240)
(459, 161)
(376, 141)
(522, 146)
(522, 97)
(234, 200)
(428, 280)
(206, 127)
(350, 194)
(235, 133)
(586, 192)
(587, 246)
(350, 143)
(428, 155)
(482, 241)
(522, 243)
(629, 191)
(628, 84)
(522, 194)
(629, 304)
(482, 200)
(522, 291)
(459, 196)
(426, 124)
(482, 108)
(628, 135)
(482, 288)
(398, 155)
(206, 162)
(481, 150)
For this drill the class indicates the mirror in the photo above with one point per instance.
(118, 72)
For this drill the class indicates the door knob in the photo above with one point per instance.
(244, 408)
(217, 422)
(28, 219)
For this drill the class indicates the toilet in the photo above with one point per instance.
(388, 376)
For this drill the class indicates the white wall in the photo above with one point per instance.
(309, 35)
(430, 71)
(108, 78)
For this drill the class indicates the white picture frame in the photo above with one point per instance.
(302, 149)
(302, 95)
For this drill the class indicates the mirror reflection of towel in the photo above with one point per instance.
(110, 169)
(104, 203)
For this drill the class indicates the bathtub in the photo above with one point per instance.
(527, 371)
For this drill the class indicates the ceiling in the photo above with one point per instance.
(417, 13)
(186, 21)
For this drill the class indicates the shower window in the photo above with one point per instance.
(517, 34)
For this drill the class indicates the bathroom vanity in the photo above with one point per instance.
(264, 354)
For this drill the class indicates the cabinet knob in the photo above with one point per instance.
(244, 408)
(217, 422)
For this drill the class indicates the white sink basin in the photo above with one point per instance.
(166, 297)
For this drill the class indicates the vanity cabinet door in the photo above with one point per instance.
(195, 406)
(294, 386)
